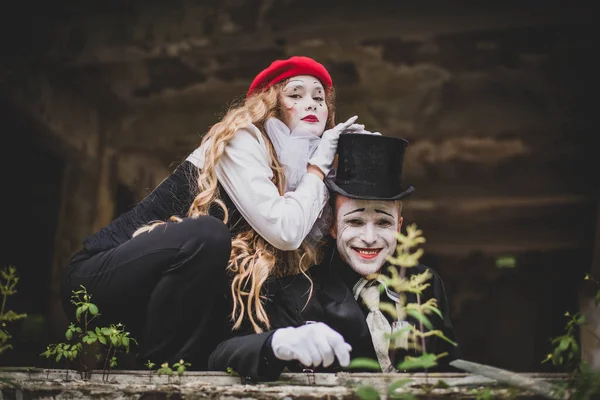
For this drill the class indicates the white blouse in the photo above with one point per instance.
(245, 174)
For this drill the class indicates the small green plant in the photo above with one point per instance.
(7, 288)
(165, 370)
(84, 338)
(393, 394)
(181, 367)
(566, 347)
(408, 257)
(566, 353)
(483, 394)
(150, 365)
(367, 392)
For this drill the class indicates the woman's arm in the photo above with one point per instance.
(245, 174)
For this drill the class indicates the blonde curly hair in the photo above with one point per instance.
(253, 260)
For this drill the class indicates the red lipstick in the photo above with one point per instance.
(310, 118)
(367, 253)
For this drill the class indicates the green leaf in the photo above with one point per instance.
(441, 335)
(442, 384)
(564, 344)
(93, 309)
(574, 347)
(125, 340)
(506, 262)
(436, 310)
(180, 370)
(420, 317)
(365, 363)
(102, 339)
(367, 392)
(424, 361)
(69, 334)
(391, 391)
(389, 309)
(399, 333)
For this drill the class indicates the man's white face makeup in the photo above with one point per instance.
(303, 100)
(365, 232)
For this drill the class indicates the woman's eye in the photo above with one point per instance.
(295, 96)
(384, 223)
(318, 98)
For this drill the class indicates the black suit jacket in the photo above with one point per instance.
(332, 302)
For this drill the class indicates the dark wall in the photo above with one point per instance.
(31, 198)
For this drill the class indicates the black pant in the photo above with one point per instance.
(167, 286)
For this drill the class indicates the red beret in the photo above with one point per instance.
(293, 66)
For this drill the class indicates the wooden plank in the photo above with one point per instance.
(504, 225)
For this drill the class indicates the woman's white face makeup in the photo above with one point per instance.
(303, 100)
(365, 232)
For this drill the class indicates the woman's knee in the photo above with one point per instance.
(209, 234)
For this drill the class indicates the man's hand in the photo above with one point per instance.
(311, 344)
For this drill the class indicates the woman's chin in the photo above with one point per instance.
(313, 128)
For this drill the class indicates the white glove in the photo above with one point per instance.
(364, 131)
(325, 153)
(311, 344)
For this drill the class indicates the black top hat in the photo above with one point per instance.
(369, 167)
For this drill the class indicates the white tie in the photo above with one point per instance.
(379, 327)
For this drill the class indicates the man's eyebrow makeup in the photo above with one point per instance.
(355, 211)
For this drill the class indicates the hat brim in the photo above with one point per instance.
(330, 183)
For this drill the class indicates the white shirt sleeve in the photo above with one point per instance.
(244, 172)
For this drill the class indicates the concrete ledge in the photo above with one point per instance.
(35, 383)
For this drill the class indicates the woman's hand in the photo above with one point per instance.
(325, 153)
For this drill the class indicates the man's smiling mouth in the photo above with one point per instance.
(367, 253)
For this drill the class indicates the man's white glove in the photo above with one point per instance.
(325, 153)
(311, 344)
